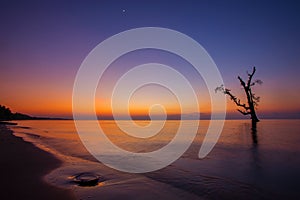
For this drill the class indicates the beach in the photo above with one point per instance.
(22, 170)
(48, 170)
(46, 155)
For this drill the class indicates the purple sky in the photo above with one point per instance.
(43, 43)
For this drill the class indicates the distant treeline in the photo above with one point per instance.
(6, 114)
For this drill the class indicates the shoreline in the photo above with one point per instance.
(113, 185)
(23, 167)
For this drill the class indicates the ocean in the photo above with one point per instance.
(244, 164)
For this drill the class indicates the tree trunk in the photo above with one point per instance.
(254, 119)
(249, 95)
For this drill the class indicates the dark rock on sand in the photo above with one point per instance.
(87, 179)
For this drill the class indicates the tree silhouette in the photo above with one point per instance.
(5, 113)
(252, 99)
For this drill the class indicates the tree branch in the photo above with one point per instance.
(250, 77)
(244, 112)
(242, 82)
(232, 97)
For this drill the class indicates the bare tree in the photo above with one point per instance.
(252, 100)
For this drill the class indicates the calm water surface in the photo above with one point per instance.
(243, 164)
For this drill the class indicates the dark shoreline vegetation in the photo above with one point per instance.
(7, 115)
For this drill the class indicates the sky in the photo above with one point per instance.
(43, 44)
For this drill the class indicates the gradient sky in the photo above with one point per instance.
(42, 45)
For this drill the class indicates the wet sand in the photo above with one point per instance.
(22, 168)
(113, 184)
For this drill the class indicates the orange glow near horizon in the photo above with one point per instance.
(62, 106)
(41, 97)
(41, 103)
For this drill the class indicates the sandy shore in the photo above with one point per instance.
(22, 167)
(31, 172)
